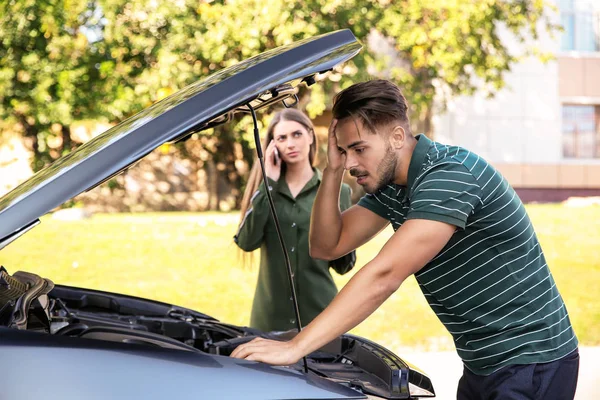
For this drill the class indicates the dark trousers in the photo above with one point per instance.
(555, 380)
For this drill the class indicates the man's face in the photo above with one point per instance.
(369, 157)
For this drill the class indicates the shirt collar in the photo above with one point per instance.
(416, 161)
(283, 188)
(315, 180)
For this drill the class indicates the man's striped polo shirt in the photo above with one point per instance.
(490, 285)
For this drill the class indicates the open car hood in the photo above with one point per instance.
(262, 80)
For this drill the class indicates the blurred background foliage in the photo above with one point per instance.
(63, 61)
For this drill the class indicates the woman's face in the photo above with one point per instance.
(293, 141)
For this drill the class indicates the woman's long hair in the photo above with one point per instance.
(288, 114)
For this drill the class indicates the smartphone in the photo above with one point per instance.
(275, 156)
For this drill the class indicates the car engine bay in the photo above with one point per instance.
(29, 302)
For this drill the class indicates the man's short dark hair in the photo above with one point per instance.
(377, 102)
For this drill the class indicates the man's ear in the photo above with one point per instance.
(397, 137)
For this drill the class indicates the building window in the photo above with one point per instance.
(581, 23)
(581, 131)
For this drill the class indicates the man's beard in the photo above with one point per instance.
(386, 170)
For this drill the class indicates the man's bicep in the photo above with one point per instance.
(359, 225)
(413, 245)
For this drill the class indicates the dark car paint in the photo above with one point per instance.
(185, 111)
(58, 367)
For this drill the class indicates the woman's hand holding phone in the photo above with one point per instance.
(272, 162)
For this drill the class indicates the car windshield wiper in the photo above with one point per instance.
(277, 226)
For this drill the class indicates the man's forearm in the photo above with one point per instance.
(411, 247)
(326, 221)
(363, 294)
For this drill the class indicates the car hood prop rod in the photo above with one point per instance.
(288, 265)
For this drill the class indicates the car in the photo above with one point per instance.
(61, 342)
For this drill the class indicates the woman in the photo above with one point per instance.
(290, 147)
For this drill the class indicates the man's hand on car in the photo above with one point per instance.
(268, 351)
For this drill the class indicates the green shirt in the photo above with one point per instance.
(490, 285)
(272, 308)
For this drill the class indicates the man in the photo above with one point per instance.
(460, 229)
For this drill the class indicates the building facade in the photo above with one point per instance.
(543, 130)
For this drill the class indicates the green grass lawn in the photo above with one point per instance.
(190, 260)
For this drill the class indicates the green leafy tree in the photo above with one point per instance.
(156, 48)
(47, 72)
(454, 45)
(63, 60)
